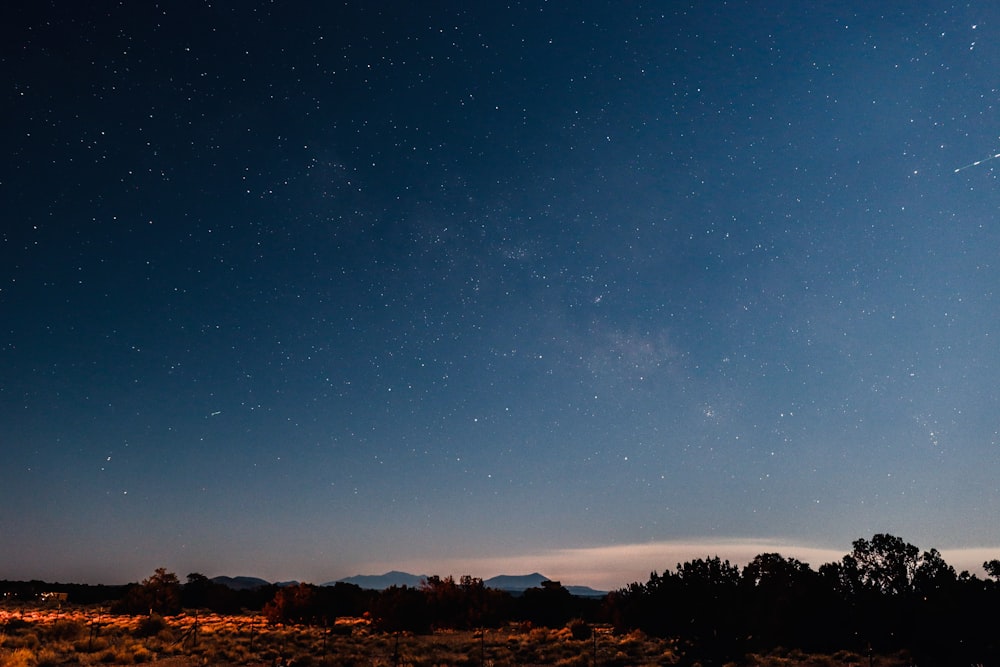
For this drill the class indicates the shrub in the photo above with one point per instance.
(141, 654)
(539, 635)
(27, 640)
(21, 657)
(125, 654)
(574, 661)
(64, 630)
(90, 645)
(48, 657)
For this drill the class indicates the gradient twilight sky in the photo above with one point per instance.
(303, 290)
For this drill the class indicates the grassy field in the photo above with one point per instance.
(37, 636)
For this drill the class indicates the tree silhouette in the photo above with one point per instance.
(294, 604)
(159, 594)
(772, 572)
(344, 599)
(401, 609)
(709, 597)
(464, 604)
(886, 564)
(933, 575)
(551, 605)
(710, 573)
(784, 603)
(200, 592)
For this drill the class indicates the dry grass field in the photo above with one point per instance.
(35, 636)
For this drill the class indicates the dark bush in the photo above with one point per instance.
(579, 629)
(151, 626)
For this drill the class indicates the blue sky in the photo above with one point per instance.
(304, 293)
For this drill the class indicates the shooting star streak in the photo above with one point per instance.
(978, 162)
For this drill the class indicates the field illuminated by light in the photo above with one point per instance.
(31, 636)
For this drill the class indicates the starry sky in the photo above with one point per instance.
(305, 290)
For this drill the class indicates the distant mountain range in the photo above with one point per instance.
(241, 583)
(249, 583)
(504, 582)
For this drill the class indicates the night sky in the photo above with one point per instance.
(305, 290)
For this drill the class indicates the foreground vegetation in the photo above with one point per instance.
(34, 636)
(885, 603)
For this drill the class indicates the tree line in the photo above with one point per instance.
(884, 596)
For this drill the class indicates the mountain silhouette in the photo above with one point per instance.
(516, 583)
(379, 582)
(241, 583)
